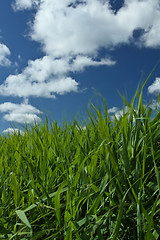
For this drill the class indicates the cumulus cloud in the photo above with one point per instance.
(25, 4)
(155, 86)
(20, 86)
(21, 113)
(92, 24)
(4, 53)
(13, 131)
(47, 76)
(71, 34)
(116, 112)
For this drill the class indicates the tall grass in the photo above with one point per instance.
(68, 182)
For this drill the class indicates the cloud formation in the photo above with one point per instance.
(13, 131)
(4, 53)
(154, 105)
(25, 4)
(154, 88)
(71, 33)
(20, 113)
(47, 76)
(85, 27)
(116, 112)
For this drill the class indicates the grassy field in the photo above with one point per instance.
(99, 181)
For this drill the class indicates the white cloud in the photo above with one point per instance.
(21, 113)
(21, 117)
(4, 53)
(47, 76)
(20, 86)
(81, 62)
(25, 4)
(71, 34)
(43, 68)
(64, 30)
(155, 86)
(115, 112)
(13, 131)
(154, 105)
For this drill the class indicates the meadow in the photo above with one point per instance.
(96, 180)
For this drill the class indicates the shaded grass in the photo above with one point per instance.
(71, 182)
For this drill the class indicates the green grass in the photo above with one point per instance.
(69, 182)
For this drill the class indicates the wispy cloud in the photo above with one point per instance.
(4, 54)
(21, 113)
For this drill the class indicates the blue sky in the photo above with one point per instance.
(56, 55)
